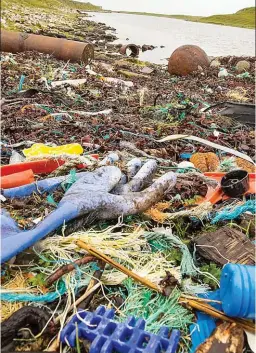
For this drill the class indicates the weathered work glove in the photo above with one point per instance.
(102, 193)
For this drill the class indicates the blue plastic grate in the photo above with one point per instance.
(109, 336)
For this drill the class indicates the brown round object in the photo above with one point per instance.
(186, 59)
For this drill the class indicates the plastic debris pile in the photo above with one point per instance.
(128, 201)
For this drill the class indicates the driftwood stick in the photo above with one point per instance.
(68, 268)
(195, 304)
(115, 264)
(95, 279)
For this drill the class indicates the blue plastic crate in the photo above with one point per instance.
(109, 336)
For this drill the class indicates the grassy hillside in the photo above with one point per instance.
(244, 18)
(19, 15)
(51, 4)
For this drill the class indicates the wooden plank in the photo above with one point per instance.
(226, 245)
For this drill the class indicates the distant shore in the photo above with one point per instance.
(244, 18)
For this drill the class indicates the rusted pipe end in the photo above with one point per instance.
(88, 53)
(133, 48)
(186, 59)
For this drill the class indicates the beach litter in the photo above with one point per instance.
(117, 232)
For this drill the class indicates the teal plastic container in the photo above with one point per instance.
(237, 290)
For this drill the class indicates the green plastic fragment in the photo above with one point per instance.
(244, 75)
(71, 179)
(56, 132)
(182, 116)
(51, 201)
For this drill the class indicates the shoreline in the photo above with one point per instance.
(215, 19)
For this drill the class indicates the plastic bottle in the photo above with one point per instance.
(40, 149)
(237, 290)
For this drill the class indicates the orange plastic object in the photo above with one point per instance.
(44, 166)
(17, 179)
(216, 195)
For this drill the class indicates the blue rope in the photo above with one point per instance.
(22, 79)
(228, 213)
(24, 297)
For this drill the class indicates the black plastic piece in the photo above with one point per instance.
(243, 112)
(235, 183)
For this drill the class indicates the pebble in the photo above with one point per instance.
(146, 70)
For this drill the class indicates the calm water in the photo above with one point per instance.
(215, 40)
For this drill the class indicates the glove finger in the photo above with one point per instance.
(133, 166)
(140, 180)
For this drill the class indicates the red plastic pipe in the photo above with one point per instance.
(44, 166)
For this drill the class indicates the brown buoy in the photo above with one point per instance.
(186, 59)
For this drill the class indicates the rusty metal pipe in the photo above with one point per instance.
(134, 50)
(63, 49)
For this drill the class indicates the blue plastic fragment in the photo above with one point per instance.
(185, 155)
(109, 336)
(201, 330)
(205, 324)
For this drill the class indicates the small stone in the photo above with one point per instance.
(245, 147)
(146, 70)
(242, 66)
(215, 63)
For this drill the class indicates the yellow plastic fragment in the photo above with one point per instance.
(39, 148)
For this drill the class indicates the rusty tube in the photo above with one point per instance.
(134, 50)
(63, 49)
